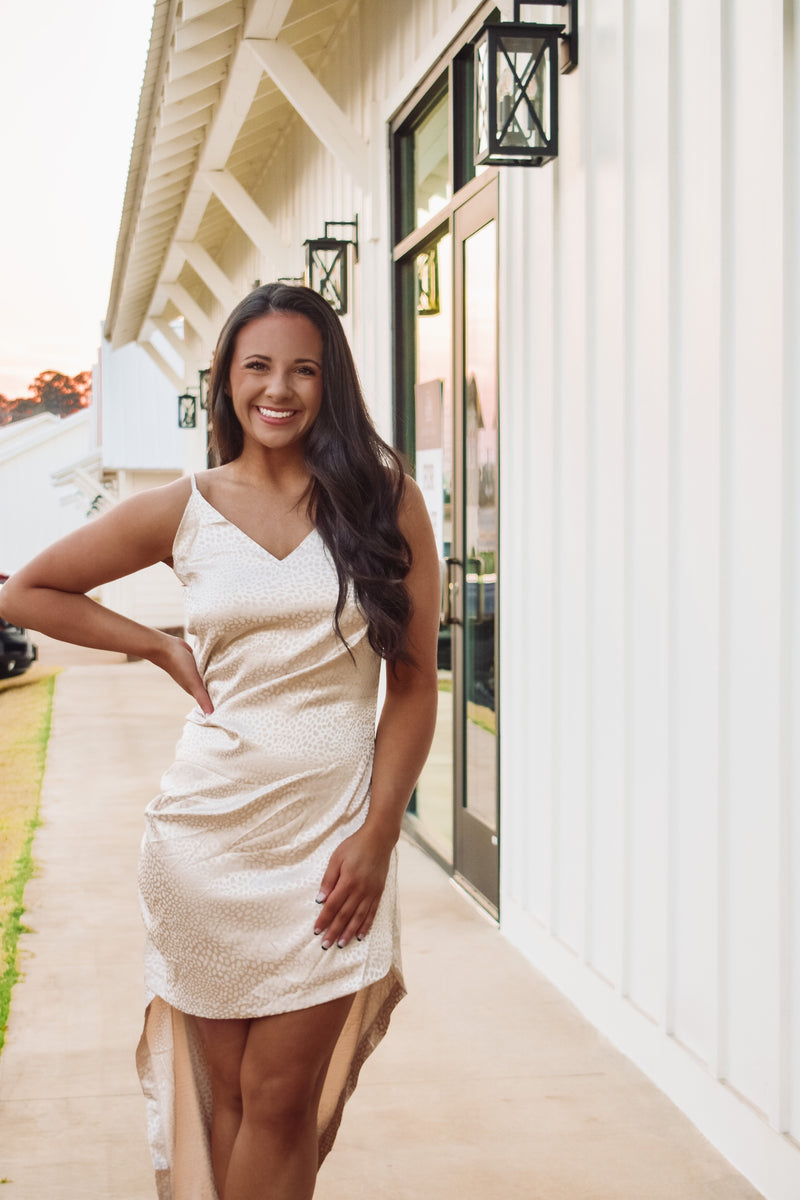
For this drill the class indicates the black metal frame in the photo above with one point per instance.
(327, 283)
(495, 39)
(187, 409)
(559, 44)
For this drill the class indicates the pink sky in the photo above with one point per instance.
(70, 76)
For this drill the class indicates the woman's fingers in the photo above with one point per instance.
(178, 661)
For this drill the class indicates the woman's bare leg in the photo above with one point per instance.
(274, 1156)
(224, 1044)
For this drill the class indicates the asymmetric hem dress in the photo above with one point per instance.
(260, 794)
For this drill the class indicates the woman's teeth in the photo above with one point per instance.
(282, 413)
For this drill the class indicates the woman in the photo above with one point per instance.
(267, 870)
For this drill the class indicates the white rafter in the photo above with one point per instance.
(162, 364)
(170, 337)
(247, 215)
(191, 310)
(319, 111)
(210, 272)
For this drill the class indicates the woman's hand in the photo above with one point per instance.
(352, 887)
(176, 657)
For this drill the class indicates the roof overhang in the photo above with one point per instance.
(222, 81)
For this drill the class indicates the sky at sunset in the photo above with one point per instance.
(70, 74)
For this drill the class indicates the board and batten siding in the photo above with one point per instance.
(650, 541)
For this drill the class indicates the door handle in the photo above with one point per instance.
(450, 592)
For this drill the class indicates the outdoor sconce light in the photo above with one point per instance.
(326, 264)
(517, 65)
(187, 410)
(203, 384)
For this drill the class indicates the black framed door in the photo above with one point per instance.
(473, 568)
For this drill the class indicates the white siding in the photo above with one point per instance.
(33, 512)
(649, 767)
(139, 412)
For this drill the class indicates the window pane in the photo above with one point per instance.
(432, 186)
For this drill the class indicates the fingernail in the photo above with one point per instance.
(317, 932)
(320, 898)
(341, 943)
(326, 945)
(359, 937)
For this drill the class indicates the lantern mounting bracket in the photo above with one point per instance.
(568, 58)
(353, 241)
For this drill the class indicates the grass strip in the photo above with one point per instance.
(25, 714)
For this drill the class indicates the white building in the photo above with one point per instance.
(596, 366)
(34, 511)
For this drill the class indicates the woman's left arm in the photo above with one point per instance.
(353, 883)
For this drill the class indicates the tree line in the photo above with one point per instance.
(50, 392)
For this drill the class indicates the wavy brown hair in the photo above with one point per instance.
(356, 478)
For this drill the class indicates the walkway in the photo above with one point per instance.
(488, 1087)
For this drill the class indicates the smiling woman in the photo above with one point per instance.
(267, 872)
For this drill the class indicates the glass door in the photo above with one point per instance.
(472, 573)
(433, 460)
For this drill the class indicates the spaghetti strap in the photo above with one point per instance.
(193, 478)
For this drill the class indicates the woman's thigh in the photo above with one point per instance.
(224, 1043)
(286, 1057)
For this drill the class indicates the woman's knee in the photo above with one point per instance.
(281, 1100)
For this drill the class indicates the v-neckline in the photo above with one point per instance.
(250, 539)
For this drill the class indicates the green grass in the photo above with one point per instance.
(25, 713)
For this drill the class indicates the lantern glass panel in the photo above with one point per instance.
(524, 118)
(327, 268)
(482, 111)
(187, 411)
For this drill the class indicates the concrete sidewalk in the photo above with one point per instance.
(489, 1085)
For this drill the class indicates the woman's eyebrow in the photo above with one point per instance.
(268, 358)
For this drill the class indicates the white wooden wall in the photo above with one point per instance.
(33, 511)
(651, 549)
(139, 412)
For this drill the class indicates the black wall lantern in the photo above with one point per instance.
(326, 264)
(204, 383)
(517, 65)
(188, 401)
(187, 410)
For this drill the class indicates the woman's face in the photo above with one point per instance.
(276, 379)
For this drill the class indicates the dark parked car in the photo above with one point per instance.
(17, 651)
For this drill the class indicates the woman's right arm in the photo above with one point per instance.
(49, 594)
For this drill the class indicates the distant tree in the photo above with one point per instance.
(50, 392)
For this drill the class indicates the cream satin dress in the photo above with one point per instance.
(260, 794)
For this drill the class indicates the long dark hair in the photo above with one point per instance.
(356, 478)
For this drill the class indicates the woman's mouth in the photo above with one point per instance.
(280, 415)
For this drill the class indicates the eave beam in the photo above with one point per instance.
(170, 337)
(265, 18)
(192, 312)
(247, 215)
(163, 366)
(211, 274)
(316, 107)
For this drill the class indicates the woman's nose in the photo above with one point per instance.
(277, 383)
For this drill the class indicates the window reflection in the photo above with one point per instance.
(434, 472)
(432, 188)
